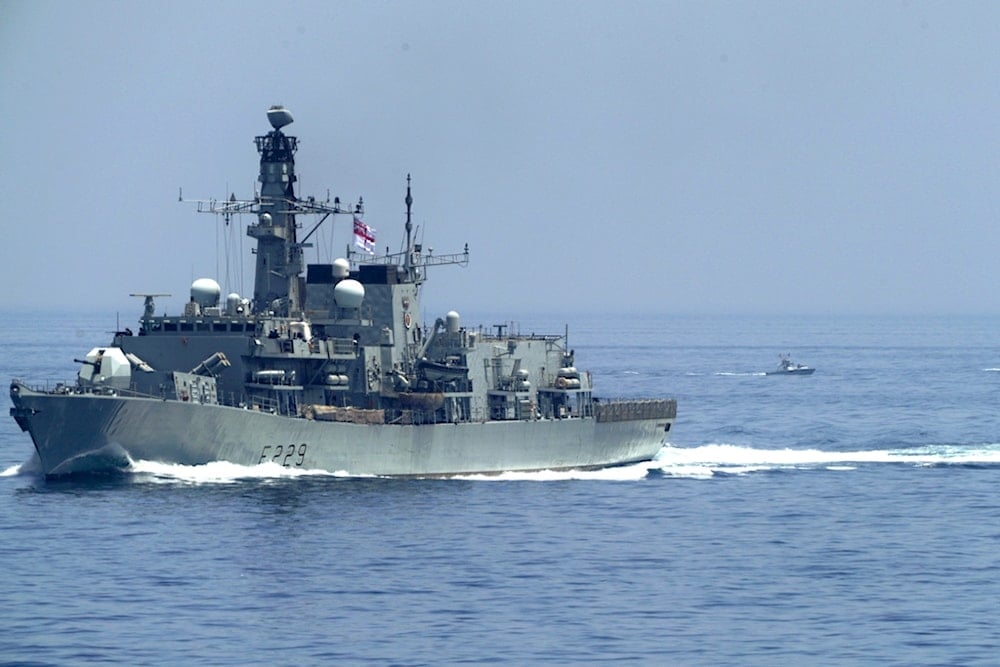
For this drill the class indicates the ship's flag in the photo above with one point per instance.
(364, 236)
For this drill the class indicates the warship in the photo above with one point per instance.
(330, 367)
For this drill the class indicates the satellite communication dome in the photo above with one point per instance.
(341, 268)
(349, 293)
(206, 292)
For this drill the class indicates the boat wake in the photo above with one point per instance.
(221, 472)
(216, 472)
(710, 460)
(32, 467)
(702, 462)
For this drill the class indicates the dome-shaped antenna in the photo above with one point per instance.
(279, 116)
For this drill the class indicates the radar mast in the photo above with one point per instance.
(279, 258)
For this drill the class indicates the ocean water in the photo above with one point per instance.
(849, 517)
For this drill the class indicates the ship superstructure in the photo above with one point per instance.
(330, 366)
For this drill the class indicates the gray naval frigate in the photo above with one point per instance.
(328, 367)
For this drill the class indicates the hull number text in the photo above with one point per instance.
(286, 455)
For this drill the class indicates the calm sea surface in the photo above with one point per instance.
(850, 517)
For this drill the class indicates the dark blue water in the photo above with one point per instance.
(850, 517)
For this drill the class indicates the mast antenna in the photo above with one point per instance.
(409, 225)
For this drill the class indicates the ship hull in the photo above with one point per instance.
(91, 432)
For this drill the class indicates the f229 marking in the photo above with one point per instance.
(285, 455)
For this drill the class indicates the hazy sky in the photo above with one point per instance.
(596, 156)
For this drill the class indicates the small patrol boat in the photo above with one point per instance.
(330, 367)
(787, 367)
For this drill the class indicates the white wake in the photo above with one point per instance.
(701, 462)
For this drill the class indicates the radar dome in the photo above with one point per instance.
(279, 116)
(453, 321)
(349, 293)
(341, 268)
(205, 292)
